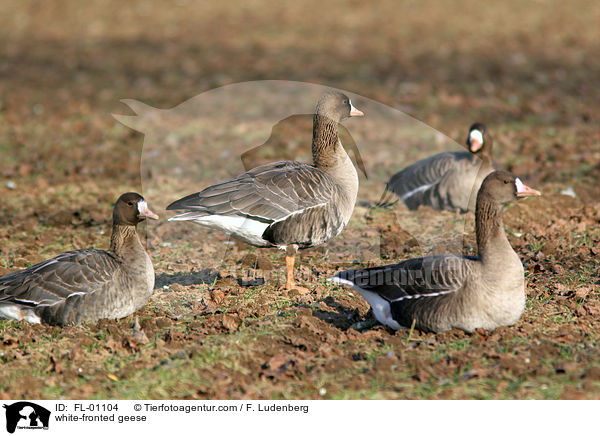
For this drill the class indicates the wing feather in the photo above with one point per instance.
(414, 183)
(412, 278)
(270, 192)
(55, 280)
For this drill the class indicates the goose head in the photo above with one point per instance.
(478, 139)
(503, 187)
(130, 209)
(337, 106)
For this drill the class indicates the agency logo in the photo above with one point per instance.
(26, 415)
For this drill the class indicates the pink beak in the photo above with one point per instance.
(475, 145)
(145, 211)
(525, 191)
(355, 112)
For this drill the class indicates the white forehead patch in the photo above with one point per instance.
(142, 206)
(476, 135)
(353, 111)
(520, 186)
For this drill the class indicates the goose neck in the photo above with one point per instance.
(484, 158)
(489, 227)
(325, 142)
(124, 239)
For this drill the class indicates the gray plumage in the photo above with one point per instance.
(286, 204)
(296, 202)
(441, 292)
(445, 181)
(89, 284)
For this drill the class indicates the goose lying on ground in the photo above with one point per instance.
(286, 204)
(441, 292)
(448, 180)
(90, 284)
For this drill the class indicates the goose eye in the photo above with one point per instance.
(506, 182)
(130, 203)
(346, 101)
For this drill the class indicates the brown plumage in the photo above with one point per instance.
(286, 204)
(90, 284)
(441, 292)
(445, 181)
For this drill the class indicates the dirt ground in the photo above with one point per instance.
(219, 325)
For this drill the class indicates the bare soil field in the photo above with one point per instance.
(219, 325)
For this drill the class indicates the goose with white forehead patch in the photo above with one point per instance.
(445, 181)
(441, 292)
(89, 284)
(286, 204)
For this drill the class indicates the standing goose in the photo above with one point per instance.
(89, 284)
(441, 292)
(446, 180)
(289, 205)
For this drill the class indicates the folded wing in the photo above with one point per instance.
(51, 282)
(413, 278)
(268, 193)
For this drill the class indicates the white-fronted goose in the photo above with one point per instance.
(286, 204)
(90, 284)
(442, 292)
(448, 180)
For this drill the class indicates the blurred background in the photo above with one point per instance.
(527, 69)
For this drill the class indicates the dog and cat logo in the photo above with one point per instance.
(26, 415)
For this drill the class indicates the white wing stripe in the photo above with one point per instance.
(296, 212)
(431, 294)
(350, 283)
(414, 191)
(24, 301)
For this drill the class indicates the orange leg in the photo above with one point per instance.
(289, 263)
